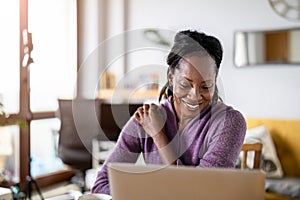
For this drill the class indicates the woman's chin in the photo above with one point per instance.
(191, 112)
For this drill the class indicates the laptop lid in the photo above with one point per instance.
(156, 182)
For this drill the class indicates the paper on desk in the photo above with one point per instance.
(95, 197)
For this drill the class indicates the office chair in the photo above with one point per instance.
(257, 148)
(79, 125)
(113, 118)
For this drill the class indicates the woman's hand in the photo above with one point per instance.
(152, 118)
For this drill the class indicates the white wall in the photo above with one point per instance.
(89, 35)
(261, 91)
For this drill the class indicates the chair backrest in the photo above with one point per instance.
(79, 125)
(114, 117)
(257, 149)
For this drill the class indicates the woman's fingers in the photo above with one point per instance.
(139, 114)
(151, 118)
(145, 113)
(142, 113)
(146, 107)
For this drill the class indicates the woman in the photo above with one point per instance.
(192, 127)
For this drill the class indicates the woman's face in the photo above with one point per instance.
(193, 84)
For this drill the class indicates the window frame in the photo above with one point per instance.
(27, 116)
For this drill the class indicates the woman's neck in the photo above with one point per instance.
(180, 119)
(182, 123)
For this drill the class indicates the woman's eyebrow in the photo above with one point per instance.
(205, 81)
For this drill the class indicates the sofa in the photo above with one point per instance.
(285, 134)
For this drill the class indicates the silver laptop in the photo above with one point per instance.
(155, 182)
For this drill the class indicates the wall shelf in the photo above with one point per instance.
(128, 94)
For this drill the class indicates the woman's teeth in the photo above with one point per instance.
(191, 106)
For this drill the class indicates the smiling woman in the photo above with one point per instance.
(190, 126)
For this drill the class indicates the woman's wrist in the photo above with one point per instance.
(165, 151)
(160, 139)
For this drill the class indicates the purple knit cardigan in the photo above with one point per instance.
(212, 139)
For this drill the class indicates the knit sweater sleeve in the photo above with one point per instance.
(225, 140)
(127, 149)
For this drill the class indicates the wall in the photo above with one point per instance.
(89, 35)
(261, 91)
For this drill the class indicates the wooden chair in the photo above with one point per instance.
(257, 148)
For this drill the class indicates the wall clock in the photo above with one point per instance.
(289, 9)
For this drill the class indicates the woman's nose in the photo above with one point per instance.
(195, 94)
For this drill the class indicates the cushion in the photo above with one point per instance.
(286, 137)
(270, 162)
(286, 186)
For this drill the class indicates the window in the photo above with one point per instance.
(9, 51)
(30, 92)
(53, 73)
(44, 154)
(9, 154)
(9, 90)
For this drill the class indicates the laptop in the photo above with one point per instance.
(157, 182)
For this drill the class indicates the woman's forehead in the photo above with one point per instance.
(197, 67)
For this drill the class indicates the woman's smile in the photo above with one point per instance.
(191, 106)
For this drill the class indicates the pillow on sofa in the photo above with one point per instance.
(270, 162)
(286, 186)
